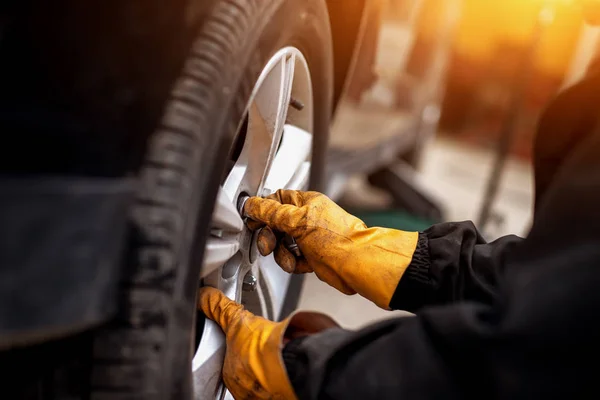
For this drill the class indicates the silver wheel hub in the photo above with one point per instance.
(273, 152)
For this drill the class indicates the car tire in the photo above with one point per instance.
(145, 352)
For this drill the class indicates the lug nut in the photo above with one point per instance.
(249, 284)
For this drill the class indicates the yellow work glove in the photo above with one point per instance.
(337, 246)
(254, 367)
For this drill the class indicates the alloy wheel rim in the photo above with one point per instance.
(272, 151)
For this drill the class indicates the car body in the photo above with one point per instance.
(100, 234)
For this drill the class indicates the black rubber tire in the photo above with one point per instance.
(145, 352)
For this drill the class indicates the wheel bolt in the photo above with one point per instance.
(249, 284)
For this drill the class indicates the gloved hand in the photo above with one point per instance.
(337, 246)
(253, 367)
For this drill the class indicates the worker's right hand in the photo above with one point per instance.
(337, 246)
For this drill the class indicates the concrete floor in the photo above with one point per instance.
(456, 174)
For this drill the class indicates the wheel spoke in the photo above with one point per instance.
(267, 116)
(226, 216)
(208, 362)
(275, 281)
(263, 295)
(257, 151)
(258, 301)
(290, 159)
(234, 180)
(218, 252)
(301, 178)
(228, 396)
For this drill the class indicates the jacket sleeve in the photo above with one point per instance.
(528, 329)
(452, 262)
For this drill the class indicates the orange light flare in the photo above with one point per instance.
(591, 11)
(488, 23)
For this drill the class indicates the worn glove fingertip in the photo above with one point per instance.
(218, 307)
(266, 241)
(206, 296)
(285, 259)
(254, 225)
(303, 267)
(259, 209)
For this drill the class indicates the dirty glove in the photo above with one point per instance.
(254, 367)
(337, 246)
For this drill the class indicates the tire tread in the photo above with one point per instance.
(128, 354)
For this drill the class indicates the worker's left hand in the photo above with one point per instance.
(253, 364)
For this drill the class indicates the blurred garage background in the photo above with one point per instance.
(485, 70)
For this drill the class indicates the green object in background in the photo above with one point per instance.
(394, 219)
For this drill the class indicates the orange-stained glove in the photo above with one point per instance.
(337, 246)
(254, 368)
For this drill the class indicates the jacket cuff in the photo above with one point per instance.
(414, 289)
(295, 361)
(307, 357)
